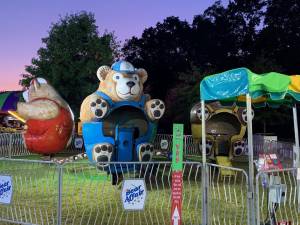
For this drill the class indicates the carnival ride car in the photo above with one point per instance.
(119, 121)
(8, 102)
(49, 119)
(226, 127)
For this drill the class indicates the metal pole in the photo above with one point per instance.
(59, 204)
(10, 145)
(204, 173)
(185, 145)
(251, 167)
(203, 132)
(296, 131)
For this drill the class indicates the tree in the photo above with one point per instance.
(181, 98)
(262, 35)
(163, 52)
(223, 37)
(280, 36)
(72, 54)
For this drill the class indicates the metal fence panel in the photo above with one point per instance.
(86, 194)
(190, 148)
(276, 197)
(12, 144)
(35, 192)
(81, 193)
(228, 202)
(159, 138)
(5, 144)
(17, 145)
(90, 198)
(284, 150)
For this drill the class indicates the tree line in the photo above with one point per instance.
(262, 35)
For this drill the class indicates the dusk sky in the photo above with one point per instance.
(24, 22)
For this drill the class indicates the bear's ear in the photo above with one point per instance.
(142, 74)
(102, 72)
(36, 84)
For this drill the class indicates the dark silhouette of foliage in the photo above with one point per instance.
(163, 52)
(263, 35)
(280, 36)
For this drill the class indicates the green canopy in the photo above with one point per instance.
(232, 86)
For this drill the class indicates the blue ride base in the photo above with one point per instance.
(121, 130)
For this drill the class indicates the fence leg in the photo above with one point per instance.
(256, 201)
(204, 172)
(59, 205)
(184, 146)
(10, 146)
(206, 195)
(296, 131)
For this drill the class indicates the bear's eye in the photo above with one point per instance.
(136, 77)
(116, 76)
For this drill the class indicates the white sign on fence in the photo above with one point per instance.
(6, 189)
(164, 144)
(78, 143)
(133, 194)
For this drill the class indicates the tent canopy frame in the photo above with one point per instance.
(232, 85)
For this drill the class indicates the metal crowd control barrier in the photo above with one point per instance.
(277, 197)
(17, 146)
(190, 148)
(35, 192)
(163, 137)
(100, 201)
(227, 195)
(5, 144)
(284, 150)
(81, 193)
(11, 144)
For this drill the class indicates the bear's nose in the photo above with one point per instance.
(130, 84)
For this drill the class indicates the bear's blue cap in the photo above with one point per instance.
(123, 67)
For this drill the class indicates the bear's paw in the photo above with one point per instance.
(99, 107)
(102, 154)
(155, 109)
(145, 152)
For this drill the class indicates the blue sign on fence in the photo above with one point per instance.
(6, 189)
